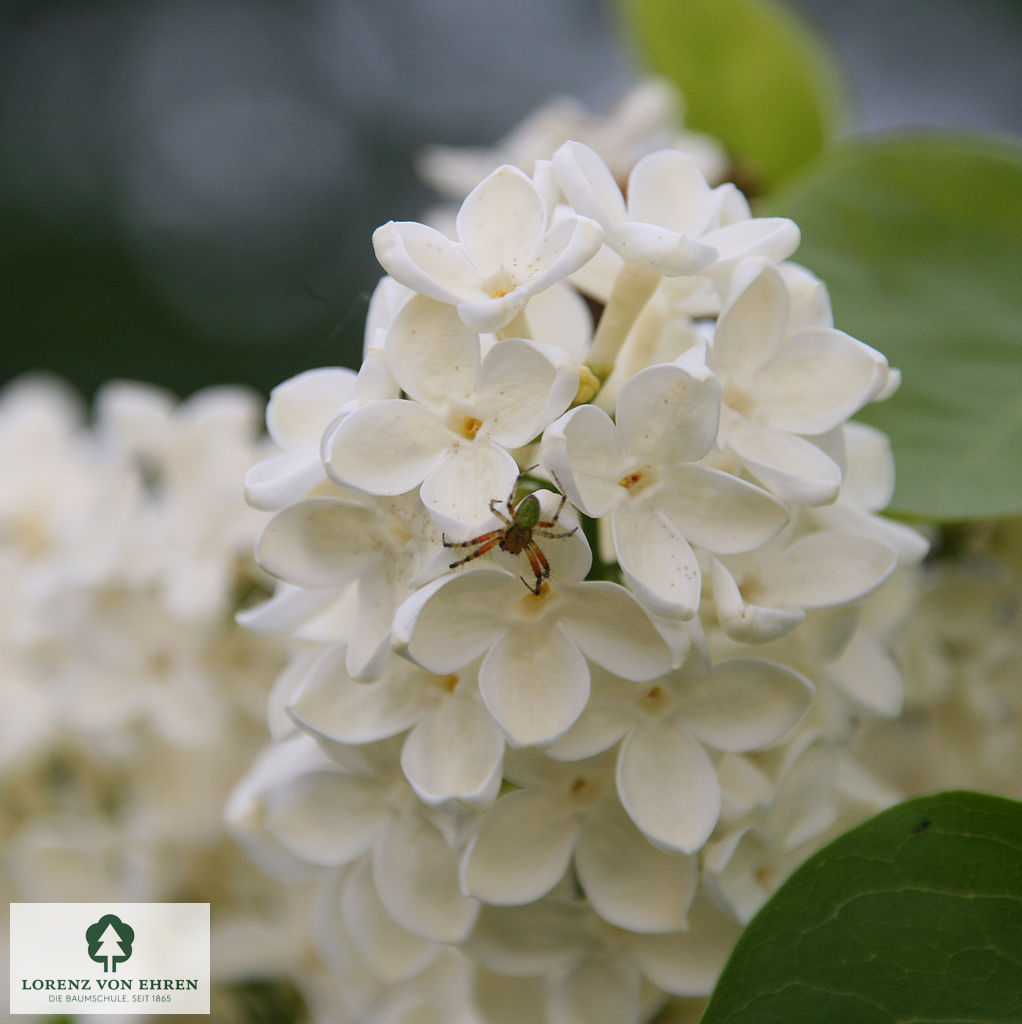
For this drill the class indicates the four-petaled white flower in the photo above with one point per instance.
(534, 676)
(330, 814)
(378, 545)
(464, 412)
(672, 221)
(760, 598)
(508, 249)
(643, 472)
(452, 750)
(782, 389)
(665, 779)
(523, 845)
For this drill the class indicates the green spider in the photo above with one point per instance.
(522, 525)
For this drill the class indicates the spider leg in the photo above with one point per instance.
(481, 539)
(511, 497)
(544, 526)
(564, 495)
(540, 566)
(481, 550)
(555, 534)
(497, 512)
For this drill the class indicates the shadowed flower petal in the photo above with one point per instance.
(392, 953)
(668, 786)
(454, 753)
(743, 704)
(522, 849)
(386, 447)
(535, 683)
(630, 882)
(416, 876)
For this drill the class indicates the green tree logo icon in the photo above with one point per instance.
(109, 941)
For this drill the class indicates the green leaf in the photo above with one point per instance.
(752, 74)
(919, 241)
(915, 916)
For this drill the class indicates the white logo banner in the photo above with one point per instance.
(82, 958)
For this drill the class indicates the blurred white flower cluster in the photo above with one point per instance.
(961, 655)
(586, 588)
(132, 700)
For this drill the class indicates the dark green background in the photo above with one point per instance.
(188, 188)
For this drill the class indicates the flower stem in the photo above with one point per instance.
(631, 292)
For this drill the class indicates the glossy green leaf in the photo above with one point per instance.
(919, 241)
(915, 916)
(752, 74)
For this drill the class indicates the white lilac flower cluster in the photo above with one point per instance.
(132, 700)
(577, 570)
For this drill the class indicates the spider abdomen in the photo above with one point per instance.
(517, 539)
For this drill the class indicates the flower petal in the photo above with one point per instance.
(748, 623)
(331, 704)
(326, 817)
(600, 990)
(276, 768)
(656, 558)
(287, 609)
(522, 849)
(386, 447)
(459, 489)
(501, 220)
(454, 753)
(452, 621)
(559, 316)
(281, 479)
(869, 475)
(804, 806)
(751, 325)
(770, 238)
(427, 261)
(827, 569)
(584, 451)
(688, 963)
(659, 249)
(909, 544)
(743, 704)
(611, 628)
(317, 543)
(588, 184)
(416, 876)
(869, 676)
(668, 786)
(795, 469)
(817, 380)
(520, 391)
(432, 354)
(631, 883)
(391, 953)
(667, 187)
(541, 938)
(718, 511)
(369, 642)
(489, 315)
(342, 957)
(300, 408)
(535, 682)
(669, 415)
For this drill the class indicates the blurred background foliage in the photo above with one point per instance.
(188, 188)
